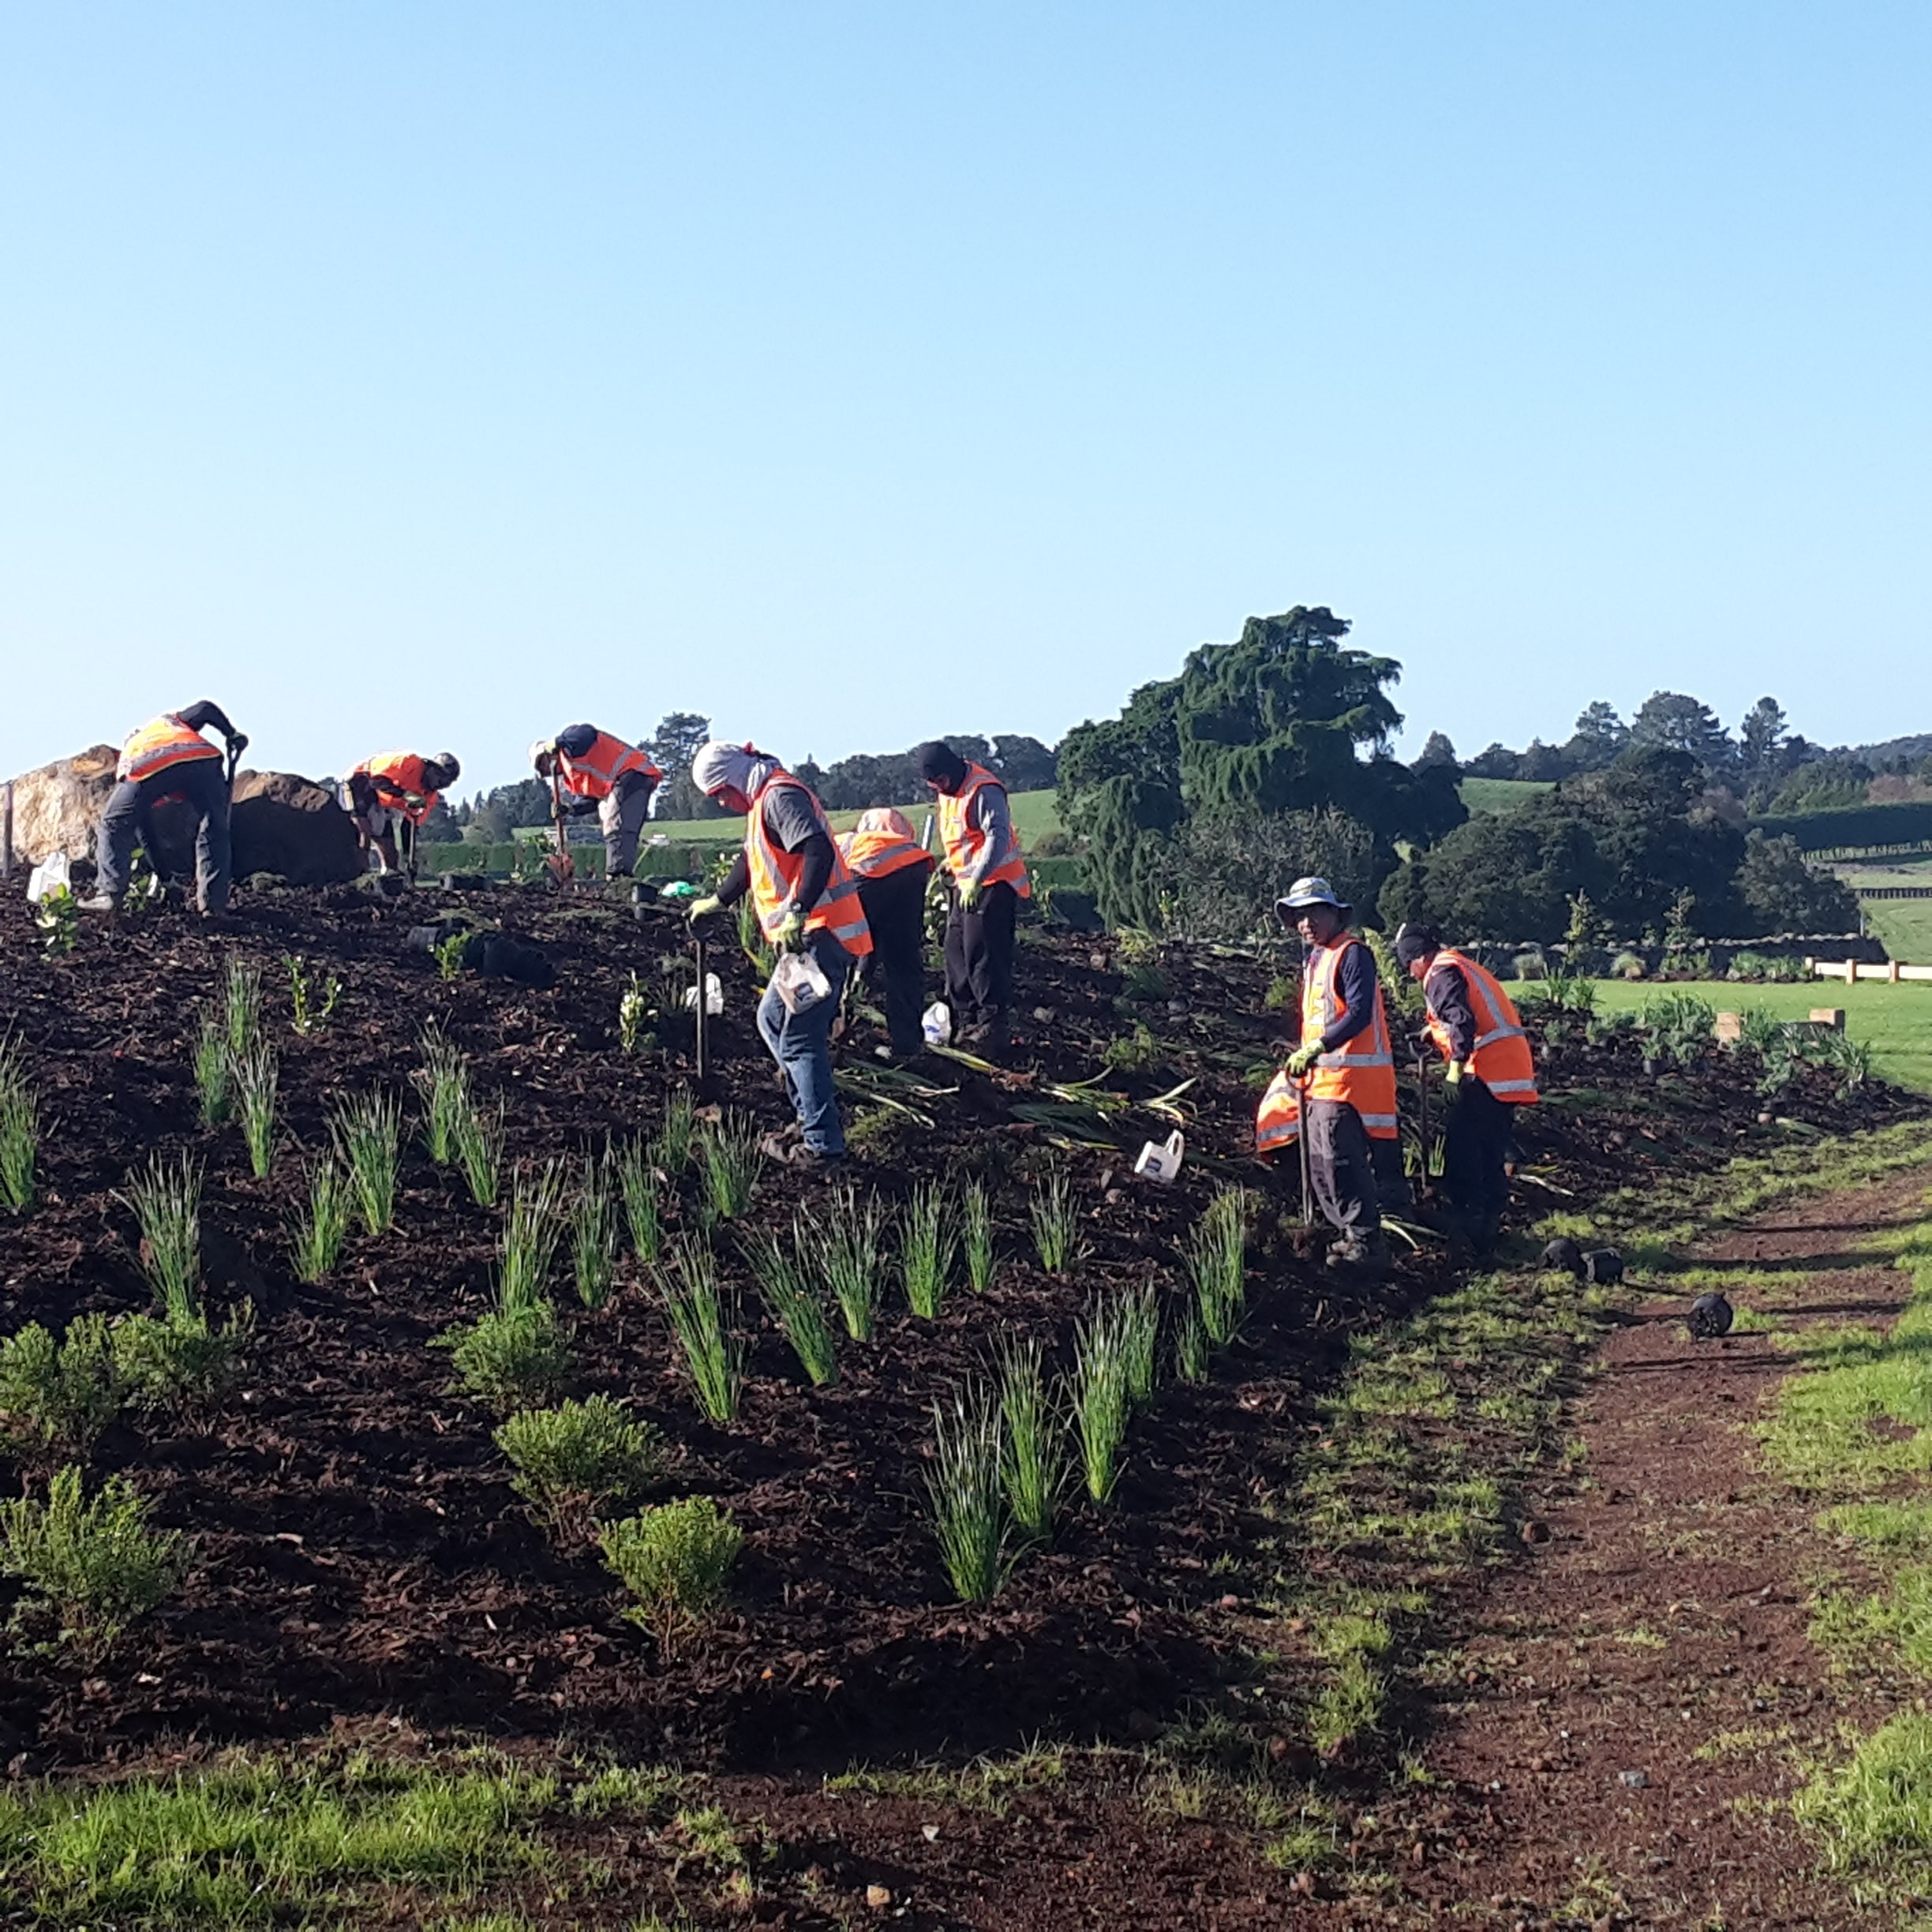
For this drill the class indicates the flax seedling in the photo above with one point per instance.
(593, 1226)
(241, 1003)
(20, 1132)
(531, 1231)
(256, 1074)
(214, 1073)
(310, 1014)
(166, 1198)
(1032, 1451)
(677, 1133)
(367, 1134)
(732, 1160)
(479, 1139)
(634, 1014)
(1191, 1347)
(788, 1291)
(703, 1318)
(926, 1243)
(852, 1245)
(965, 1494)
(321, 1225)
(976, 1236)
(1100, 1401)
(1138, 1313)
(1051, 1212)
(637, 1181)
(444, 1081)
(1215, 1258)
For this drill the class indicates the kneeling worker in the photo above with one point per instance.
(1489, 1069)
(806, 902)
(605, 775)
(893, 868)
(390, 792)
(1348, 1067)
(168, 759)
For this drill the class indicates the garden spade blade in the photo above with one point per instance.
(1422, 1162)
(561, 865)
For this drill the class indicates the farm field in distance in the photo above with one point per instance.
(1034, 814)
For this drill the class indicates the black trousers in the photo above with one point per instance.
(1342, 1166)
(894, 908)
(1476, 1131)
(128, 820)
(979, 956)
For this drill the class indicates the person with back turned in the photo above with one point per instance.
(167, 760)
(893, 868)
(605, 775)
(989, 879)
(1489, 1067)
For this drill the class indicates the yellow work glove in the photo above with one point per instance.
(791, 934)
(1452, 1082)
(969, 893)
(1303, 1058)
(703, 908)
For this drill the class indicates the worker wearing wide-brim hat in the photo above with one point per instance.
(1343, 1073)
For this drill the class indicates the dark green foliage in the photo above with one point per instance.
(574, 1460)
(1905, 824)
(1781, 893)
(58, 1394)
(511, 1358)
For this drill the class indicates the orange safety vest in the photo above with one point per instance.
(964, 841)
(1361, 1072)
(398, 776)
(1501, 1060)
(881, 844)
(775, 874)
(1278, 1120)
(160, 743)
(594, 774)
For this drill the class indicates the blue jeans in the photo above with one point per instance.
(801, 1045)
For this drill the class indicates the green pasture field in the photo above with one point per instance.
(1897, 1019)
(1034, 815)
(1500, 795)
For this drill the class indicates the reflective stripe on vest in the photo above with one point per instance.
(965, 842)
(1361, 1072)
(775, 874)
(398, 776)
(878, 855)
(1278, 1120)
(1503, 1060)
(160, 743)
(593, 775)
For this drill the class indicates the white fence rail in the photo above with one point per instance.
(1853, 970)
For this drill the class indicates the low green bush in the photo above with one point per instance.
(510, 1358)
(674, 1561)
(58, 1394)
(575, 1460)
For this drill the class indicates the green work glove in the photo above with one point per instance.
(791, 934)
(703, 908)
(1452, 1082)
(1303, 1058)
(969, 891)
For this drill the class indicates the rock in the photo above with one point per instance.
(1635, 1779)
(287, 824)
(1533, 1532)
(1710, 1316)
(57, 806)
(878, 1897)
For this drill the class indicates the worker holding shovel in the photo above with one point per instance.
(388, 796)
(605, 775)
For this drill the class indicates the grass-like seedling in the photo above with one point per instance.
(593, 1226)
(241, 1005)
(321, 1225)
(369, 1138)
(444, 1081)
(255, 1075)
(677, 1133)
(1215, 1255)
(166, 1201)
(531, 1231)
(480, 1152)
(637, 1182)
(1139, 1317)
(1100, 1402)
(927, 1241)
(703, 1317)
(850, 1244)
(213, 1066)
(966, 1494)
(575, 1461)
(58, 1395)
(675, 1559)
(310, 1015)
(976, 1236)
(731, 1161)
(510, 1358)
(1051, 1212)
(1032, 1447)
(1191, 1347)
(20, 1133)
(89, 1569)
(785, 1282)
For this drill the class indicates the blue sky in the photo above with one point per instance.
(437, 374)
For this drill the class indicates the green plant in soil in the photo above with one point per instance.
(785, 1284)
(20, 1132)
(212, 1073)
(444, 1081)
(1191, 1346)
(1051, 1212)
(448, 955)
(480, 1152)
(182, 1363)
(851, 1242)
(309, 1018)
(677, 1134)
(1100, 1400)
(965, 1491)
(255, 1075)
(57, 919)
(634, 1014)
(321, 1225)
(704, 1319)
(531, 1231)
(166, 1198)
(675, 1559)
(732, 1160)
(88, 1569)
(637, 1181)
(367, 1134)
(1032, 1447)
(58, 1395)
(576, 1460)
(241, 1005)
(510, 1358)
(593, 1225)
(1138, 1312)
(927, 1242)
(976, 1236)
(1215, 1255)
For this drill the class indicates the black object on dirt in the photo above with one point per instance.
(1710, 1317)
(1563, 1253)
(497, 957)
(1603, 1266)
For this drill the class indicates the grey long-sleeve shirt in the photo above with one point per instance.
(795, 827)
(987, 812)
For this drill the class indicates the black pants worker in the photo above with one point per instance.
(1475, 1133)
(979, 957)
(894, 908)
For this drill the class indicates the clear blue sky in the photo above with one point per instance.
(436, 374)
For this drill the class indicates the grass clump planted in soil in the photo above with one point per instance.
(213, 1072)
(594, 1233)
(677, 1133)
(479, 1138)
(166, 1198)
(675, 1559)
(851, 1241)
(527, 1250)
(241, 1006)
(976, 1236)
(732, 1160)
(1215, 1255)
(703, 1317)
(367, 1134)
(927, 1241)
(575, 1460)
(1100, 1396)
(321, 1224)
(965, 1490)
(790, 1294)
(636, 1183)
(255, 1075)
(20, 1132)
(1051, 1213)
(444, 1081)
(1032, 1443)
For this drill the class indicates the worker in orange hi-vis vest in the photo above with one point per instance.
(1348, 1064)
(893, 869)
(1489, 1067)
(599, 773)
(989, 879)
(392, 790)
(807, 902)
(167, 760)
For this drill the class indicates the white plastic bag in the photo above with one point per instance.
(49, 876)
(1161, 1163)
(936, 1024)
(801, 982)
(714, 996)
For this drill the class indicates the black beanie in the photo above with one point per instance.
(1415, 942)
(937, 759)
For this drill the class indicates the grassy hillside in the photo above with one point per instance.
(1034, 813)
(1500, 795)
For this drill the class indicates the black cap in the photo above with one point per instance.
(937, 759)
(1416, 942)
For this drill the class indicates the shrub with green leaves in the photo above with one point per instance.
(320, 1225)
(1033, 1447)
(575, 1461)
(732, 1160)
(786, 1284)
(1051, 1212)
(58, 1395)
(851, 1241)
(594, 1228)
(367, 1134)
(182, 1364)
(927, 1242)
(166, 1197)
(675, 1559)
(510, 1358)
(20, 1132)
(704, 1319)
(88, 1569)
(965, 1491)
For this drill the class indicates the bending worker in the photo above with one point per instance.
(989, 879)
(1489, 1068)
(392, 790)
(1349, 1069)
(893, 868)
(806, 902)
(605, 775)
(167, 760)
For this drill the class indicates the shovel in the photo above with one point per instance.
(1301, 1143)
(560, 865)
(1422, 1172)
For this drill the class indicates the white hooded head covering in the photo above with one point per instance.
(883, 818)
(744, 768)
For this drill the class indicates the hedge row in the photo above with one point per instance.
(1904, 824)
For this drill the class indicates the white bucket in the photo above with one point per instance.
(1161, 1163)
(936, 1024)
(714, 996)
